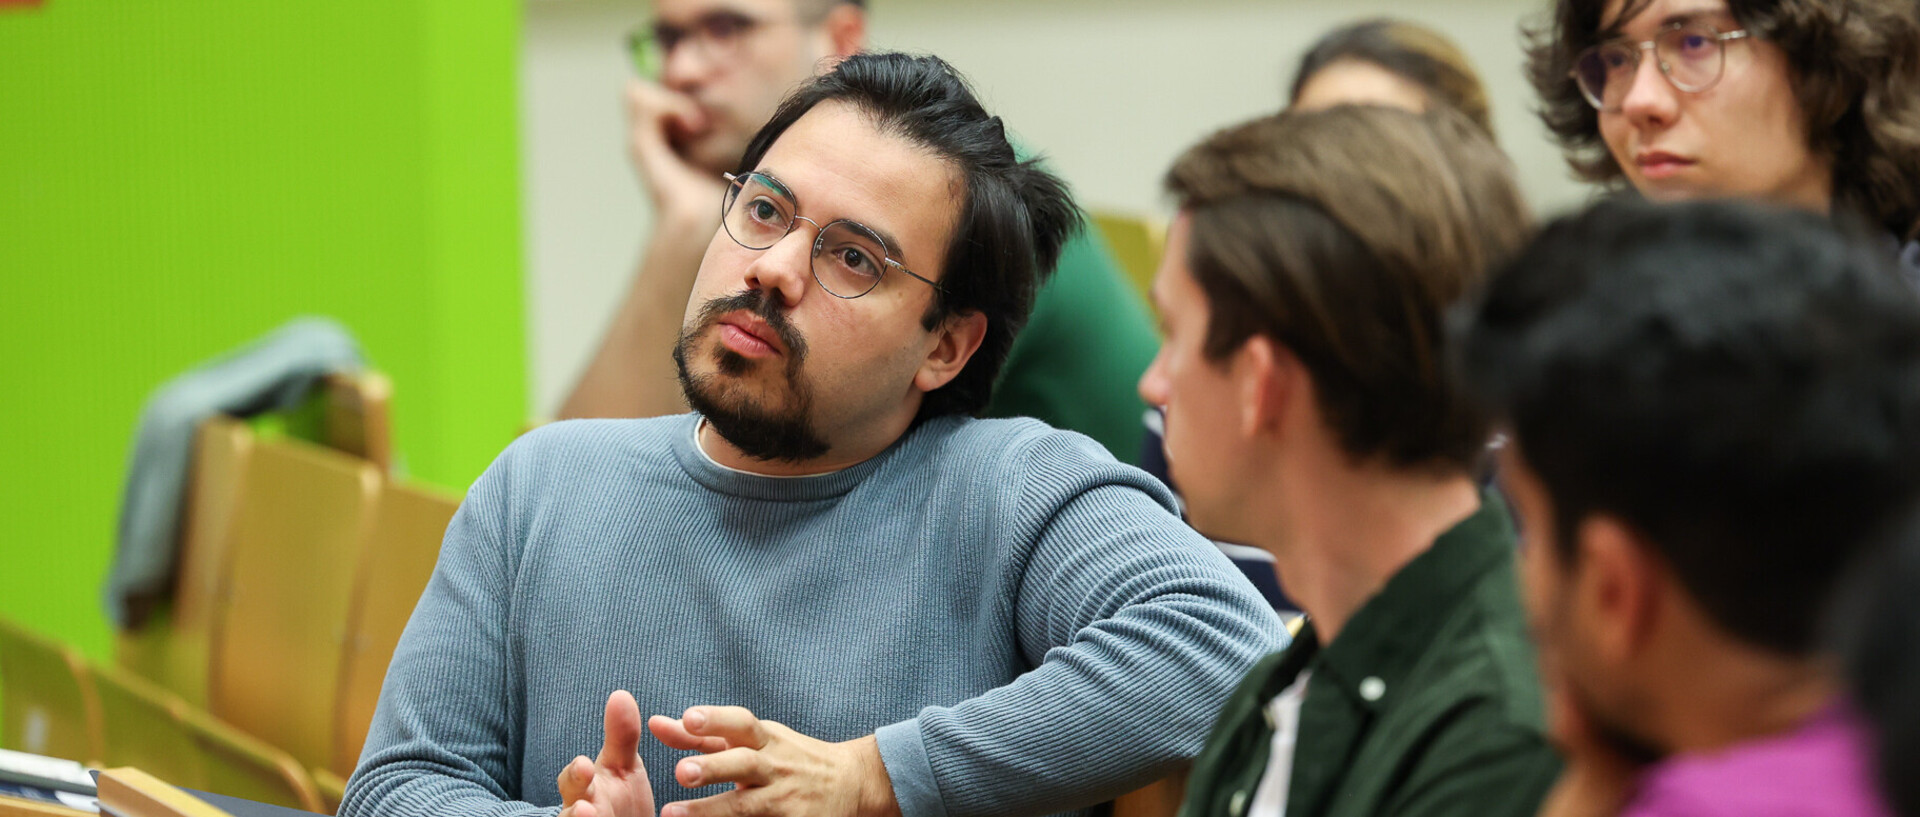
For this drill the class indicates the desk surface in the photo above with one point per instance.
(245, 808)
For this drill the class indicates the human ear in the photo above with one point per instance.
(1617, 581)
(958, 337)
(846, 27)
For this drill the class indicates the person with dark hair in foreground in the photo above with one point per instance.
(1713, 406)
(856, 599)
(1308, 414)
(1879, 629)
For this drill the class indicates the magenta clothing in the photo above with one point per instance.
(1822, 769)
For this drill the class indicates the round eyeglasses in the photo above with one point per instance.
(1692, 56)
(849, 259)
(716, 37)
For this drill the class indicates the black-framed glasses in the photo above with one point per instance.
(716, 35)
(849, 258)
(1691, 55)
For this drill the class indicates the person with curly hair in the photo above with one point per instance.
(1813, 103)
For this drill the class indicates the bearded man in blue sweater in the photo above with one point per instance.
(857, 599)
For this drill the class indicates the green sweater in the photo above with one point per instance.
(1078, 361)
(1427, 704)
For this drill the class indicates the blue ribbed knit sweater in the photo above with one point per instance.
(1021, 620)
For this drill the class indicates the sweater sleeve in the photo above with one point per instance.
(445, 736)
(1137, 628)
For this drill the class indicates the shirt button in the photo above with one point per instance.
(1238, 805)
(1372, 688)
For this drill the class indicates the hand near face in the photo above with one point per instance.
(615, 784)
(775, 770)
(659, 121)
(1597, 779)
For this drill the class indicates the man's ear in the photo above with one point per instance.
(955, 342)
(1266, 373)
(1619, 581)
(846, 27)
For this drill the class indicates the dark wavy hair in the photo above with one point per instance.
(1855, 71)
(1014, 216)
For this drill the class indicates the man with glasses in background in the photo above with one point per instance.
(1808, 103)
(840, 592)
(711, 71)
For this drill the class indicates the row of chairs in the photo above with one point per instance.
(55, 703)
(299, 566)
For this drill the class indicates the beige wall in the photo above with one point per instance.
(1112, 91)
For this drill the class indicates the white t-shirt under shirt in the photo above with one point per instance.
(1270, 798)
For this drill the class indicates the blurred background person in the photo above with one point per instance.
(1393, 62)
(1811, 103)
(1713, 406)
(712, 72)
(1308, 413)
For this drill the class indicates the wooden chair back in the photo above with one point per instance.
(357, 418)
(281, 624)
(402, 546)
(144, 727)
(239, 765)
(173, 651)
(47, 703)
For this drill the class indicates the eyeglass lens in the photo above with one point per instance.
(848, 259)
(1691, 56)
(716, 35)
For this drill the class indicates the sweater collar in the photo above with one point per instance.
(733, 482)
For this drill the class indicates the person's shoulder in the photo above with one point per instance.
(1822, 767)
(1483, 660)
(579, 445)
(1026, 453)
(1015, 442)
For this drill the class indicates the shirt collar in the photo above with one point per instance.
(1380, 646)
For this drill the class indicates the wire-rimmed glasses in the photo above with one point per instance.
(1691, 55)
(849, 258)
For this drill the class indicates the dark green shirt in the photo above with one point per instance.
(1428, 702)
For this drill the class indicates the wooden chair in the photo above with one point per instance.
(402, 546)
(144, 726)
(279, 629)
(47, 701)
(173, 650)
(238, 765)
(356, 417)
(1136, 242)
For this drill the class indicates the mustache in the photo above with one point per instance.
(760, 302)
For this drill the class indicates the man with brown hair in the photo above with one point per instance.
(1309, 413)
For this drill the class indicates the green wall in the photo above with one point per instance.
(177, 178)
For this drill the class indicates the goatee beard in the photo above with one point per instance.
(760, 432)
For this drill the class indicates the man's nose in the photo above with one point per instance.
(687, 65)
(786, 268)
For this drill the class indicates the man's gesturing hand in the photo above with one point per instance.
(776, 770)
(616, 784)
